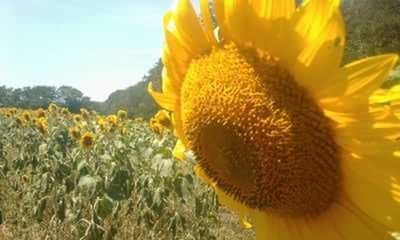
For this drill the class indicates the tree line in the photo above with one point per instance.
(134, 99)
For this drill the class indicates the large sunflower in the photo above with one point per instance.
(280, 129)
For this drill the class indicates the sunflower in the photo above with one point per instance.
(85, 114)
(20, 122)
(163, 118)
(88, 140)
(280, 129)
(75, 132)
(53, 108)
(41, 113)
(102, 124)
(27, 116)
(65, 111)
(122, 115)
(43, 126)
(112, 121)
(156, 127)
(77, 118)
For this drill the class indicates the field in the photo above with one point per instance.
(85, 176)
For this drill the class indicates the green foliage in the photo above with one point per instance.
(126, 181)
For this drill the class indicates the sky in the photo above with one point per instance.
(96, 46)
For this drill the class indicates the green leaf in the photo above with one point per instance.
(119, 186)
(87, 184)
(39, 209)
(104, 206)
(83, 168)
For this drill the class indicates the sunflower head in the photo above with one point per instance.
(75, 132)
(88, 140)
(85, 114)
(112, 120)
(252, 129)
(42, 126)
(20, 122)
(156, 127)
(102, 124)
(53, 108)
(40, 113)
(65, 111)
(27, 116)
(269, 111)
(163, 118)
(122, 114)
(77, 118)
(13, 111)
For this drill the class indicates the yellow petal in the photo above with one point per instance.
(234, 18)
(275, 36)
(188, 26)
(245, 223)
(179, 151)
(165, 100)
(175, 49)
(202, 175)
(342, 119)
(168, 86)
(178, 125)
(379, 201)
(219, 7)
(313, 17)
(207, 21)
(274, 9)
(175, 67)
(368, 74)
(363, 77)
(322, 57)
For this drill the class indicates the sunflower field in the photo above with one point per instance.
(86, 176)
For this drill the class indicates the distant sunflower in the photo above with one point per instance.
(102, 124)
(122, 115)
(85, 113)
(156, 126)
(164, 119)
(77, 118)
(41, 113)
(65, 111)
(75, 132)
(27, 116)
(42, 126)
(88, 140)
(20, 122)
(280, 129)
(52, 108)
(112, 121)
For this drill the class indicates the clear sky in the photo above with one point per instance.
(97, 46)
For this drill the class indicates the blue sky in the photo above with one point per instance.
(97, 46)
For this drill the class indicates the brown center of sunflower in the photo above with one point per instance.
(87, 140)
(258, 134)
